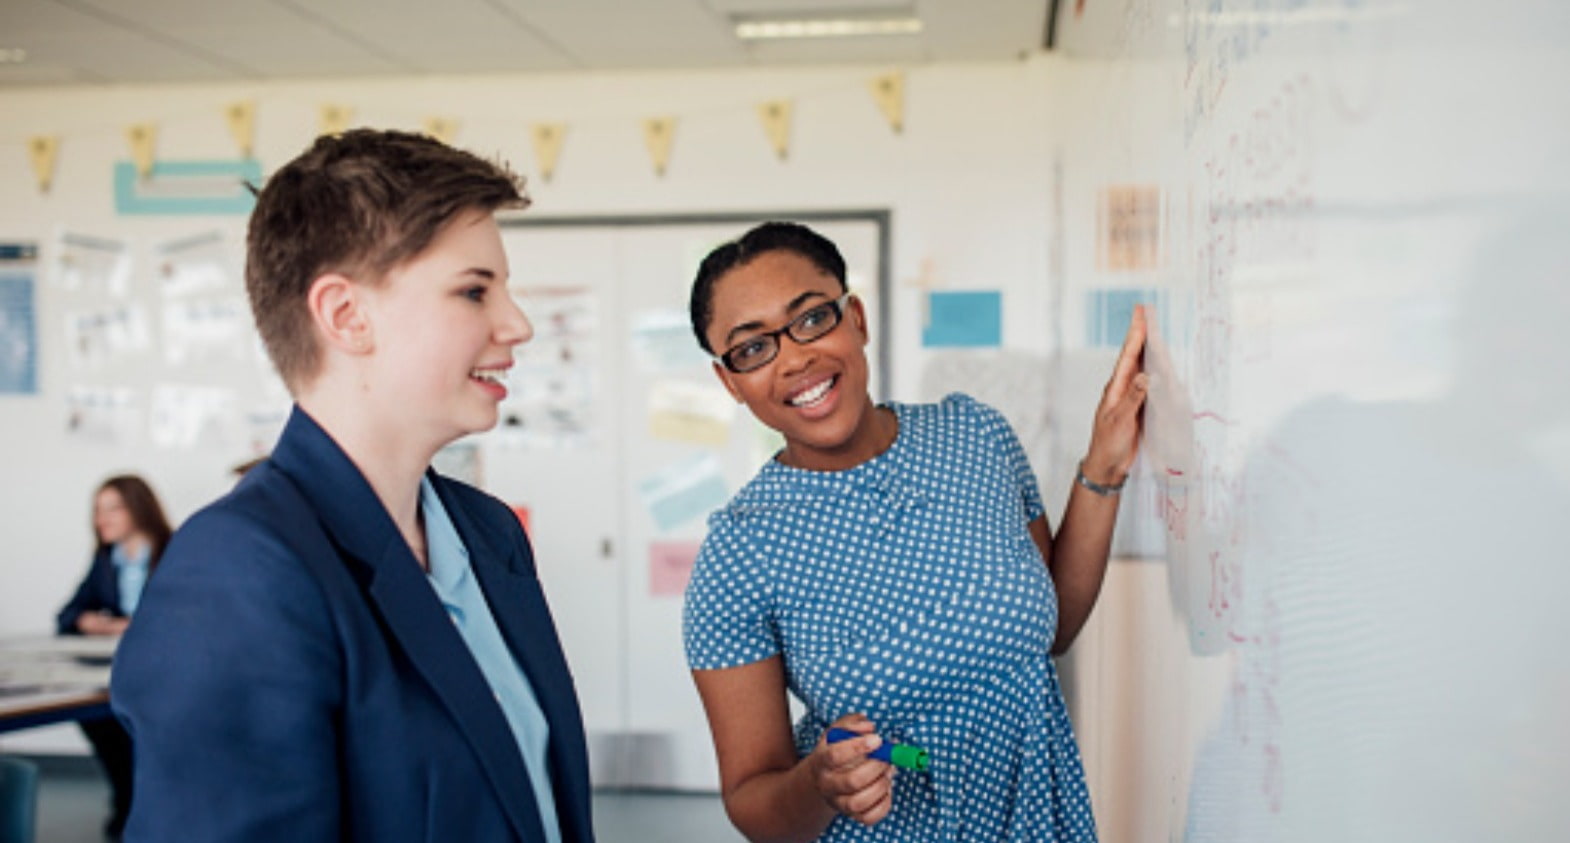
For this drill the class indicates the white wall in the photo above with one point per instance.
(967, 182)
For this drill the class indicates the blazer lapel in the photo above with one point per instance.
(401, 594)
(507, 576)
(439, 653)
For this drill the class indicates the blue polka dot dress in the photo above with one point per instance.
(908, 588)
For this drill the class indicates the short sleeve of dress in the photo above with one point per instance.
(1000, 434)
(725, 619)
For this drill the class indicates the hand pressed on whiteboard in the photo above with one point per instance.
(1169, 438)
(1077, 555)
(1114, 439)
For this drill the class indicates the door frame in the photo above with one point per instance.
(881, 218)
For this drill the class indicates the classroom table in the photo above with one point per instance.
(47, 680)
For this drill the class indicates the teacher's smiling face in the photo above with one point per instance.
(814, 389)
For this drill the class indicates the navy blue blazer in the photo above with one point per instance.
(99, 592)
(291, 674)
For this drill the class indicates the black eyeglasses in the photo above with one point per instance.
(756, 351)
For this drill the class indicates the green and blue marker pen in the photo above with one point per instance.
(899, 754)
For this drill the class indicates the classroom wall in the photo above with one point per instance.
(966, 183)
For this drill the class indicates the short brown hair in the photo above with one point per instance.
(359, 204)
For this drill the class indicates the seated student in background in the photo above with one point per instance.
(349, 646)
(132, 533)
(893, 568)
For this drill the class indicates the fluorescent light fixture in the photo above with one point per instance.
(779, 28)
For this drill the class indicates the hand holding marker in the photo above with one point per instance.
(898, 754)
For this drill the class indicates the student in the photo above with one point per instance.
(349, 646)
(893, 568)
(132, 532)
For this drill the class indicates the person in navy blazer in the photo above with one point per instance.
(309, 668)
(131, 532)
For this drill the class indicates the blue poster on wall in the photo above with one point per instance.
(18, 320)
(1108, 311)
(964, 319)
(187, 187)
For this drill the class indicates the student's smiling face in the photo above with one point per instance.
(111, 517)
(444, 328)
(814, 394)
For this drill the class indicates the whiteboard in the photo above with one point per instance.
(1340, 618)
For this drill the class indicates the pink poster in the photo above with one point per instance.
(670, 566)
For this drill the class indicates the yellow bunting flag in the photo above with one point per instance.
(547, 146)
(242, 125)
(43, 148)
(333, 119)
(776, 123)
(143, 138)
(657, 133)
(889, 91)
(441, 128)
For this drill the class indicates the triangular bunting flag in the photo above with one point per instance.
(333, 119)
(242, 125)
(889, 91)
(43, 149)
(143, 138)
(548, 139)
(775, 115)
(657, 133)
(441, 129)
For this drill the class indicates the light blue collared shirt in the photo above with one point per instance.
(131, 573)
(459, 590)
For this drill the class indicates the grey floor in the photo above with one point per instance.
(73, 802)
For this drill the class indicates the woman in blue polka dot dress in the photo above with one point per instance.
(892, 568)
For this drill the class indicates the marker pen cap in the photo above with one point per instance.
(909, 757)
(899, 754)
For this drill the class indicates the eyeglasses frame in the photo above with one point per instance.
(838, 305)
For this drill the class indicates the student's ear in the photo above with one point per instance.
(724, 375)
(337, 306)
(858, 317)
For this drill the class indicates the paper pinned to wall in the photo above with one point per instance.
(1128, 228)
(184, 416)
(108, 415)
(1108, 311)
(18, 319)
(663, 343)
(552, 388)
(263, 424)
(964, 319)
(685, 411)
(670, 566)
(685, 491)
(96, 265)
(94, 337)
(201, 263)
(206, 328)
